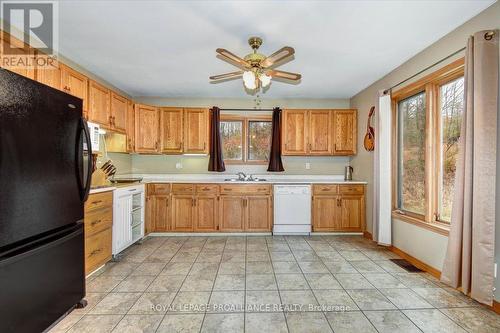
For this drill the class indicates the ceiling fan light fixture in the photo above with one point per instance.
(249, 80)
(265, 80)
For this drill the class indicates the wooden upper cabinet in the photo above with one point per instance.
(171, 130)
(74, 83)
(146, 129)
(49, 75)
(196, 131)
(7, 40)
(345, 132)
(130, 127)
(99, 104)
(259, 213)
(320, 132)
(232, 213)
(119, 112)
(294, 132)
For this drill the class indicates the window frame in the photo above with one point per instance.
(245, 132)
(430, 84)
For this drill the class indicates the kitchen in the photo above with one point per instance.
(261, 199)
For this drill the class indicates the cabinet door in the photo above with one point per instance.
(10, 61)
(232, 213)
(206, 213)
(182, 212)
(162, 213)
(320, 132)
(345, 129)
(49, 75)
(130, 127)
(122, 230)
(99, 104)
(259, 212)
(325, 213)
(196, 131)
(74, 83)
(119, 112)
(146, 129)
(352, 213)
(294, 132)
(171, 130)
(149, 216)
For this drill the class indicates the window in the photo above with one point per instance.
(427, 122)
(411, 154)
(246, 140)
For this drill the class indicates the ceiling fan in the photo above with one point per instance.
(257, 70)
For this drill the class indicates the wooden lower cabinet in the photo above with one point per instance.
(161, 213)
(332, 210)
(182, 212)
(98, 224)
(206, 213)
(259, 213)
(232, 213)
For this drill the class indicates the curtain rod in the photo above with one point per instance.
(425, 69)
(246, 109)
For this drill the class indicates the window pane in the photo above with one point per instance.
(411, 154)
(451, 106)
(232, 139)
(259, 140)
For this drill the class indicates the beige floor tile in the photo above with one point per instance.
(260, 282)
(286, 267)
(282, 256)
(263, 301)
(115, 303)
(223, 323)
(227, 301)
(204, 268)
(322, 281)
(335, 300)
(176, 268)
(353, 281)
(307, 322)
(199, 282)
(166, 283)
(134, 283)
(299, 300)
(306, 256)
(439, 298)
(367, 266)
(433, 320)
(291, 282)
(232, 268)
(405, 299)
(132, 323)
(414, 280)
(152, 303)
(331, 255)
(92, 299)
(350, 322)
(265, 322)
(149, 268)
(340, 267)
(234, 256)
(230, 282)
(190, 302)
(181, 323)
(475, 319)
(370, 299)
(391, 322)
(103, 284)
(312, 267)
(121, 268)
(259, 267)
(383, 280)
(353, 255)
(96, 324)
(258, 256)
(66, 323)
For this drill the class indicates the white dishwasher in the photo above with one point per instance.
(292, 210)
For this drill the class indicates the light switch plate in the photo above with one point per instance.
(178, 165)
(308, 166)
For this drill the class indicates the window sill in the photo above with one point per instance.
(440, 228)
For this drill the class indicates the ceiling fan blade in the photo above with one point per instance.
(227, 75)
(233, 58)
(277, 56)
(284, 75)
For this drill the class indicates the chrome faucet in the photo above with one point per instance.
(241, 176)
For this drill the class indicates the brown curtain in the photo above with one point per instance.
(469, 261)
(275, 163)
(216, 161)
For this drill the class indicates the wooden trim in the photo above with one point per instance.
(367, 235)
(496, 307)
(415, 262)
(440, 228)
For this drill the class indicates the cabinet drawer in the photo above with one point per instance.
(158, 189)
(245, 189)
(98, 220)
(207, 189)
(351, 189)
(98, 201)
(182, 188)
(320, 189)
(97, 250)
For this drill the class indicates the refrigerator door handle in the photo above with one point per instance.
(85, 183)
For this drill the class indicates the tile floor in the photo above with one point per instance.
(269, 284)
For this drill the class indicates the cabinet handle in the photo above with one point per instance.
(95, 252)
(204, 145)
(96, 202)
(310, 147)
(167, 202)
(93, 223)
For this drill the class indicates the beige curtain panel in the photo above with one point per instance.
(469, 261)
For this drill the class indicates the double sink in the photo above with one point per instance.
(244, 178)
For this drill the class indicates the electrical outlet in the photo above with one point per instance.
(308, 166)
(178, 165)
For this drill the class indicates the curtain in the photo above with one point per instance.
(469, 261)
(382, 189)
(216, 160)
(275, 163)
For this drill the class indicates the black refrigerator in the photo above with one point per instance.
(44, 180)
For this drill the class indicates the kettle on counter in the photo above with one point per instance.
(348, 172)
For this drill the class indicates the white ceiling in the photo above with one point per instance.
(167, 48)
